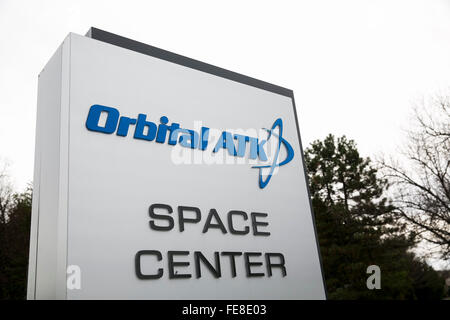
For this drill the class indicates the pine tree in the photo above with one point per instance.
(355, 224)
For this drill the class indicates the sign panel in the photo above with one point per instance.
(161, 177)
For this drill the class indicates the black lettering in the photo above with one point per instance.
(271, 265)
(218, 225)
(232, 256)
(255, 224)
(137, 263)
(249, 264)
(182, 219)
(154, 215)
(230, 222)
(172, 264)
(198, 256)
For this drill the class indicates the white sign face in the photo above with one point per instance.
(173, 180)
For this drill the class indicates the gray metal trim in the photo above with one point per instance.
(143, 48)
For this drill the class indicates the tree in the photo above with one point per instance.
(6, 194)
(6, 202)
(422, 194)
(428, 284)
(18, 243)
(15, 220)
(356, 225)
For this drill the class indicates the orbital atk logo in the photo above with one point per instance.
(108, 120)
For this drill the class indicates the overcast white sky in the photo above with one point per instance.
(355, 66)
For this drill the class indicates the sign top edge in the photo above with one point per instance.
(126, 43)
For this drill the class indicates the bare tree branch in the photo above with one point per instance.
(422, 194)
(6, 194)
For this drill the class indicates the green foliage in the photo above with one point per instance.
(356, 227)
(354, 221)
(428, 284)
(14, 246)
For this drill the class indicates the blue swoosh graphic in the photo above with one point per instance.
(290, 153)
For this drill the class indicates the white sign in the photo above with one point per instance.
(162, 177)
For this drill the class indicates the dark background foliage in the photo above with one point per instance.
(357, 227)
(14, 246)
